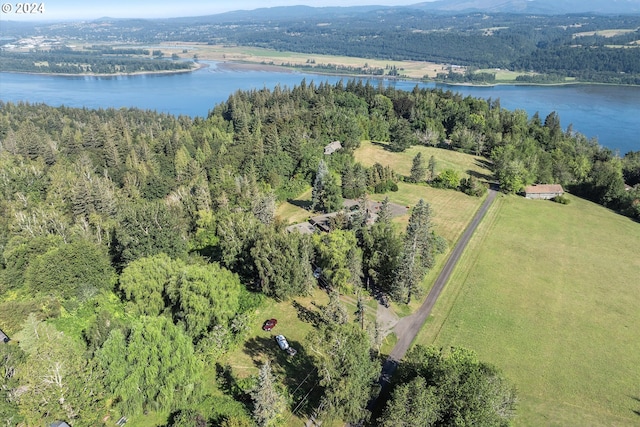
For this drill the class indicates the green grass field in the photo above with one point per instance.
(551, 294)
(370, 153)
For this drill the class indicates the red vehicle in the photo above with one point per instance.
(269, 325)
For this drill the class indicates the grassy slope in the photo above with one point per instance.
(452, 210)
(372, 152)
(550, 294)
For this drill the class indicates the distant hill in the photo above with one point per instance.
(547, 7)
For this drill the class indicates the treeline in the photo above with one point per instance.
(311, 66)
(108, 50)
(588, 63)
(466, 77)
(137, 246)
(66, 62)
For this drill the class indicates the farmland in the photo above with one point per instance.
(549, 294)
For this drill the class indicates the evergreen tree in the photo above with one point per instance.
(347, 370)
(268, 403)
(420, 247)
(402, 136)
(418, 170)
(432, 168)
(326, 195)
(318, 185)
(334, 311)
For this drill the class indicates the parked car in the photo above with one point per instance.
(269, 324)
(284, 345)
(282, 342)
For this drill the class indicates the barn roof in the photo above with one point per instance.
(543, 189)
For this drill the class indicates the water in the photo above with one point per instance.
(609, 113)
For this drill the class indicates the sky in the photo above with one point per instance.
(83, 9)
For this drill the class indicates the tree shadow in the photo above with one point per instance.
(304, 204)
(480, 176)
(300, 376)
(635, 411)
(307, 315)
(297, 373)
(483, 163)
(230, 386)
(259, 348)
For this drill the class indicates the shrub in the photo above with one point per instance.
(562, 199)
(473, 187)
(448, 178)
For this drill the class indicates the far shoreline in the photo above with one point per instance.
(119, 74)
(259, 66)
(244, 65)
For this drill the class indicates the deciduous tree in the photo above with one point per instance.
(153, 367)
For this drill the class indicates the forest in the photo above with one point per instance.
(136, 247)
(555, 47)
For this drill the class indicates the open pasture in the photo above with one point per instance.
(550, 294)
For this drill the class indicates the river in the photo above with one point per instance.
(609, 113)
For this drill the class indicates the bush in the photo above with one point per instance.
(473, 187)
(385, 186)
(564, 200)
(448, 178)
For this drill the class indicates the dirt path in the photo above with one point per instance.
(407, 328)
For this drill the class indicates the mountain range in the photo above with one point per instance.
(529, 7)
(547, 7)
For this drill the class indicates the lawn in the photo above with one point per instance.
(374, 152)
(451, 210)
(295, 321)
(293, 211)
(550, 294)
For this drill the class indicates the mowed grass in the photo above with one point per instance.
(452, 210)
(373, 152)
(292, 211)
(296, 373)
(551, 295)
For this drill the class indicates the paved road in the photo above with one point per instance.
(408, 327)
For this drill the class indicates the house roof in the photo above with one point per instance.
(3, 337)
(334, 146)
(59, 424)
(303, 227)
(543, 189)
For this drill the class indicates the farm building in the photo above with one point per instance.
(543, 191)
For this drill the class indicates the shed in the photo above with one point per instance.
(3, 337)
(543, 191)
(332, 147)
